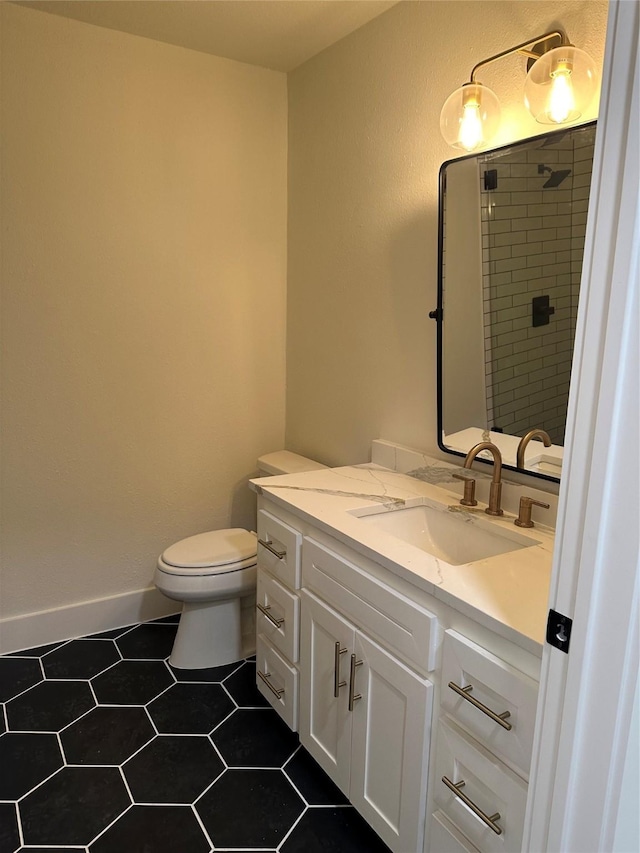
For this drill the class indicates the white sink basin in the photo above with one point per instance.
(449, 536)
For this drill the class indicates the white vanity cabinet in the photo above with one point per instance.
(278, 614)
(393, 691)
(365, 716)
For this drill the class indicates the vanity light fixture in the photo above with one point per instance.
(560, 84)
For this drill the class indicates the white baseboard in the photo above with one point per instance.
(87, 617)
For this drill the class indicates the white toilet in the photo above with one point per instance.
(214, 575)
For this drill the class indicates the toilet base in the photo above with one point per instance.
(209, 634)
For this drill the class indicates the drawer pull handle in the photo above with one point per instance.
(465, 693)
(337, 684)
(268, 544)
(264, 609)
(264, 677)
(353, 696)
(489, 821)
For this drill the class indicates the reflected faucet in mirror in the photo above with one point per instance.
(533, 433)
(495, 489)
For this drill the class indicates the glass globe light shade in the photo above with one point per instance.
(560, 85)
(470, 117)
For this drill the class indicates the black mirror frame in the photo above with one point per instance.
(438, 313)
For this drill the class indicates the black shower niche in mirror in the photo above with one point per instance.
(512, 224)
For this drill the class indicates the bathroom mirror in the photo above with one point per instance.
(511, 240)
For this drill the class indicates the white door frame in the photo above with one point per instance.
(586, 696)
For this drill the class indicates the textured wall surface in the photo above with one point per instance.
(143, 301)
(364, 154)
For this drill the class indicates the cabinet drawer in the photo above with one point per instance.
(283, 560)
(402, 625)
(445, 837)
(277, 680)
(498, 687)
(278, 615)
(488, 784)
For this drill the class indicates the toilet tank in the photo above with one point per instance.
(285, 462)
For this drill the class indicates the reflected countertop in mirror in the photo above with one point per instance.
(512, 231)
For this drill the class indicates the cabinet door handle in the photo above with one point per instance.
(264, 677)
(337, 684)
(264, 609)
(268, 544)
(489, 821)
(465, 693)
(353, 696)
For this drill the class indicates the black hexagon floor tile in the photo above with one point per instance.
(37, 652)
(9, 833)
(312, 782)
(190, 709)
(132, 682)
(112, 634)
(172, 769)
(50, 849)
(26, 760)
(73, 806)
(249, 808)
(214, 673)
(154, 829)
(49, 706)
(147, 642)
(106, 735)
(339, 830)
(17, 675)
(80, 659)
(172, 619)
(242, 687)
(61, 806)
(255, 738)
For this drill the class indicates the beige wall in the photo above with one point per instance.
(364, 154)
(143, 301)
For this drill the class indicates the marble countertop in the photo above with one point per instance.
(506, 593)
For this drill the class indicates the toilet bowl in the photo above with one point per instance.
(213, 574)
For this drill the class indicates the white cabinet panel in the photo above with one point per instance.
(279, 548)
(325, 722)
(278, 615)
(445, 837)
(277, 680)
(390, 745)
(390, 617)
(488, 784)
(497, 686)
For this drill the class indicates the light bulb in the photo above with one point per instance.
(560, 85)
(471, 127)
(561, 100)
(470, 117)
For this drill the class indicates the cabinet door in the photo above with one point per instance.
(390, 746)
(325, 722)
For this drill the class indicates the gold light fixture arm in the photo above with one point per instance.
(522, 49)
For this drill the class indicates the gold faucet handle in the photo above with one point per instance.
(469, 497)
(524, 515)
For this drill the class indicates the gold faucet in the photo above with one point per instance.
(495, 489)
(533, 433)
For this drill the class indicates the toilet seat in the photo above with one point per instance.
(212, 553)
